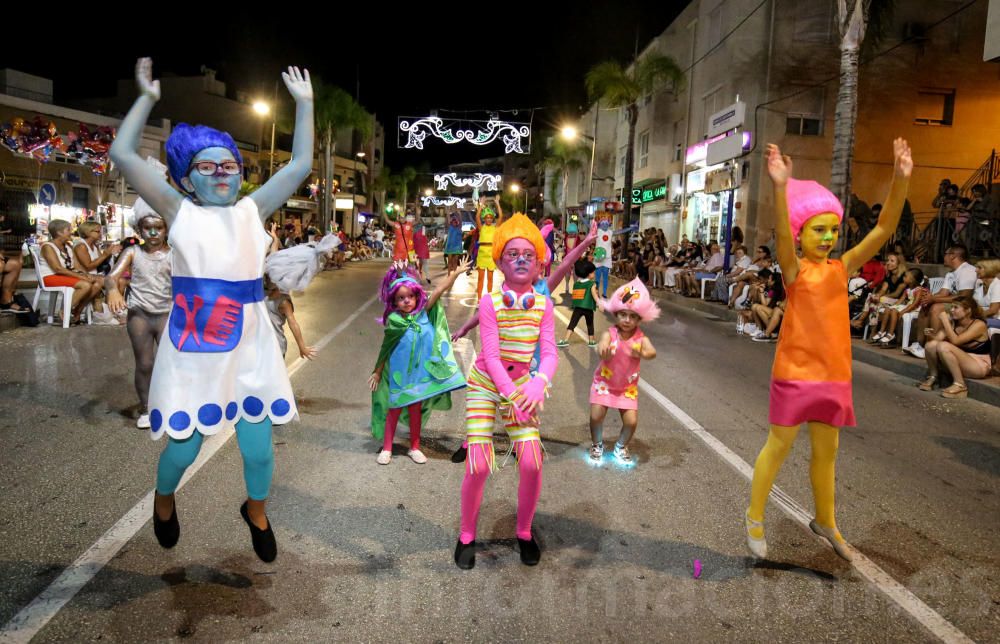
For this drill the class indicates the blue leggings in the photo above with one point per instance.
(255, 446)
(601, 275)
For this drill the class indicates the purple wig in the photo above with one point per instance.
(186, 141)
(393, 281)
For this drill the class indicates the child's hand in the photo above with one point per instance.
(144, 79)
(373, 381)
(779, 166)
(903, 165)
(637, 349)
(606, 351)
(308, 352)
(298, 83)
(463, 265)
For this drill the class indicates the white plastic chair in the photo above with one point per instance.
(908, 318)
(54, 292)
(705, 281)
(935, 284)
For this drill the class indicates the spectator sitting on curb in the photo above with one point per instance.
(741, 262)
(767, 311)
(742, 281)
(962, 346)
(690, 280)
(889, 320)
(959, 282)
(988, 297)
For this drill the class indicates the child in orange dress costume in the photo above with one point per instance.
(811, 378)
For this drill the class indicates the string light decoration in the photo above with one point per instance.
(515, 136)
(443, 201)
(478, 180)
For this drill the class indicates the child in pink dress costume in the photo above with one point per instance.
(616, 381)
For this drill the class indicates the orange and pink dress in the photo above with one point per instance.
(811, 377)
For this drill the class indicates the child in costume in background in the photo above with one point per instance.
(416, 349)
(148, 296)
(543, 286)
(602, 254)
(485, 265)
(811, 378)
(453, 245)
(512, 323)
(616, 380)
(570, 240)
(221, 367)
(421, 249)
(584, 301)
(402, 249)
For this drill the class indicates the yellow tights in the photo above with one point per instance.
(825, 439)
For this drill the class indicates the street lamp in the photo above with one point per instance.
(428, 192)
(570, 133)
(263, 109)
(515, 188)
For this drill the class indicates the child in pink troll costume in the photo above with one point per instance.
(511, 323)
(616, 380)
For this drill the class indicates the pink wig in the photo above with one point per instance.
(635, 298)
(806, 199)
(392, 282)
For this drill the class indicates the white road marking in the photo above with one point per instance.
(33, 617)
(883, 581)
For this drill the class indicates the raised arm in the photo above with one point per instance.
(276, 191)
(779, 167)
(891, 210)
(556, 277)
(496, 201)
(446, 284)
(124, 151)
(479, 209)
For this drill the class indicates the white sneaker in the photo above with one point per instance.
(384, 457)
(739, 327)
(916, 350)
(750, 329)
(143, 422)
(417, 456)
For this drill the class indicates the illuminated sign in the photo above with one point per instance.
(699, 151)
(649, 193)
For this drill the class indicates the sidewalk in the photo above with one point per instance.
(986, 390)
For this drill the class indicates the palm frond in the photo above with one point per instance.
(655, 70)
(608, 81)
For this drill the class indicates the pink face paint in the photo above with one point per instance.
(519, 273)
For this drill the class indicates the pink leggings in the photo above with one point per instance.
(477, 470)
(392, 419)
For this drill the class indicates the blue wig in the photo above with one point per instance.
(186, 141)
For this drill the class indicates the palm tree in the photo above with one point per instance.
(405, 177)
(619, 87)
(855, 18)
(335, 109)
(562, 158)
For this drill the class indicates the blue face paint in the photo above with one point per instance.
(218, 189)
(604, 224)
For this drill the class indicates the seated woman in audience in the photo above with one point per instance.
(962, 346)
(57, 268)
(755, 293)
(690, 280)
(677, 263)
(989, 296)
(656, 268)
(742, 281)
(767, 311)
(87, 255)
(889, 318)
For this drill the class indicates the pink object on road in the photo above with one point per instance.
(697, 569)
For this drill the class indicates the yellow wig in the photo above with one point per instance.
(517, 227)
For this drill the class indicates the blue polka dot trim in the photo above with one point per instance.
(280, 407)
(155, 420)
(179, 421)
(231, 410)
(253, 405)
(210, 414)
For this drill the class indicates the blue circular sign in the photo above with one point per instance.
(47, 194)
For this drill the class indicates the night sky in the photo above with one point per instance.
(497, 56)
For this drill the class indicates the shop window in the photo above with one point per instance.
(81, 197)
(935, 107)
(643, 160)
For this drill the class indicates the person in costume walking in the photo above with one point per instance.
(221, 367)
(416, 370)
(811, 377)
(485, 264)
(453, 244)
(616, 380)
(148, 296)
(512, 322)
(584, 302)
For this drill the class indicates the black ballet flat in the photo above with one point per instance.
(167, 532)
(459, 455)
(263, 540)
(531, 554)
(465, 555)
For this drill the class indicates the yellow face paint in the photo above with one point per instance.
(819, 236)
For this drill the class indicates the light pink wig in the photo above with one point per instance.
(806, 199)
(545, 230)
(635, 298)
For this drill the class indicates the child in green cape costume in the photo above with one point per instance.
(416, 368)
